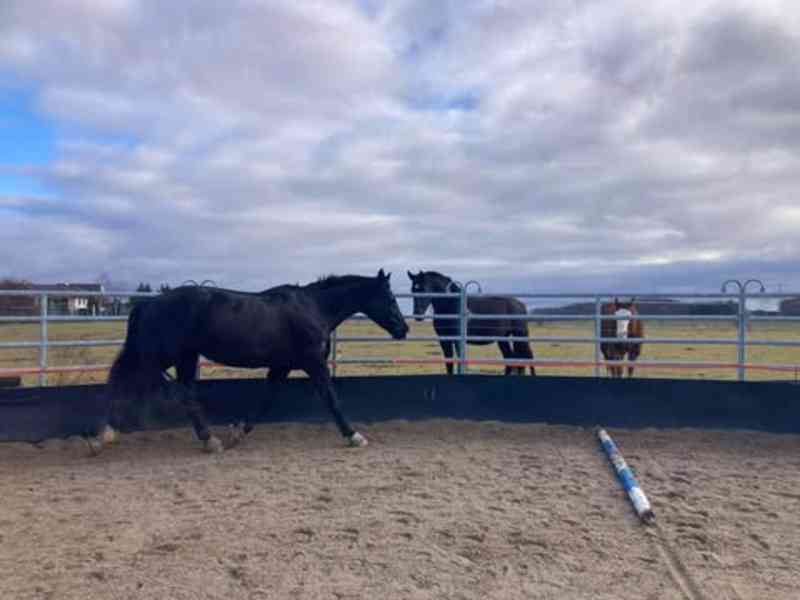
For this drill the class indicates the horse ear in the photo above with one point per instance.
(410, 275)
(381, 274)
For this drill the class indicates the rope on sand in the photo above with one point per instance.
(640, 502)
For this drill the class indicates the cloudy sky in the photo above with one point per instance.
(537, 145)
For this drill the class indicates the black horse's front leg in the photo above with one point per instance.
(188, 397)
(321, 380)
(187, 372)
(447, 350)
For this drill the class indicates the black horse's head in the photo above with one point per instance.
(382, 308)
(427, 282)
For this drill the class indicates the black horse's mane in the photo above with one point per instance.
(327, 281)
(437, 274)
(451, 286)
(323, 282)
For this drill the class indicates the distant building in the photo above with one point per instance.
(72, 304)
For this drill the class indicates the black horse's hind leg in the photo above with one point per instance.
(275, 377)
(102, 436)
(447, 350)
(321, 380)
(523, 350)
(104, 432)
(187, 373)
(505, 349)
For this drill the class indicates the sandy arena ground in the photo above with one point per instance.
(437, 509)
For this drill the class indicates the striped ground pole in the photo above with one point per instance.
(640, 503)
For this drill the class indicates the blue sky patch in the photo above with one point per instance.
(465, 101)
(20, 185)
(26, 138)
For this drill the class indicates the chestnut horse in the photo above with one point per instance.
(626, 328)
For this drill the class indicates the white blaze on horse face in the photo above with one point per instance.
(622, 324)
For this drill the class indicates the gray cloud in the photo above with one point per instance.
(544, 145)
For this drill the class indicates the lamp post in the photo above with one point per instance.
(742, 324)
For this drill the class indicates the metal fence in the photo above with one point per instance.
(462, 361)
(742, 318)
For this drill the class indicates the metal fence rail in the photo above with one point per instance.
(44, 318)
(741, 318)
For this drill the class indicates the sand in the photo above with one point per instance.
(435, 509)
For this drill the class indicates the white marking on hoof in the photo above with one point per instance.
(109, 435)
(213, 446)
(95, 445)
(357, 440)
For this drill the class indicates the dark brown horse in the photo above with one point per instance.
(626, 328)
(433, 282)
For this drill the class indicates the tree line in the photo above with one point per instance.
(787, 307)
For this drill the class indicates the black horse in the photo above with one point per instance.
(433, 282)
(282, 328)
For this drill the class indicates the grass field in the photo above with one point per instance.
(689, 351)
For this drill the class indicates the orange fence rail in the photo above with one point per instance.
(441, 361)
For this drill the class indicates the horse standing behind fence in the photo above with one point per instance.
(433, 282)
(627, 328)
(283, 328)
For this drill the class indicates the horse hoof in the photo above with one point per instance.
(213, 446)
(109, 435)
(356, 440)
(235, 437)
(95, 445)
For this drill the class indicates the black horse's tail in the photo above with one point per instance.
(132, 374)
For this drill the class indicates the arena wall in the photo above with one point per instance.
(32, 414)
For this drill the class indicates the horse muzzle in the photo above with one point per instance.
(401, 332)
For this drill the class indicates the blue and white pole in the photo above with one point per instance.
(640, 503)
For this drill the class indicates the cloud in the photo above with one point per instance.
(541, 146)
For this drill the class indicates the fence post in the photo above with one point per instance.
(462, 343)
(742, 333)
(742, 321)
(333, 353)
(597, 334)
(43, 340)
